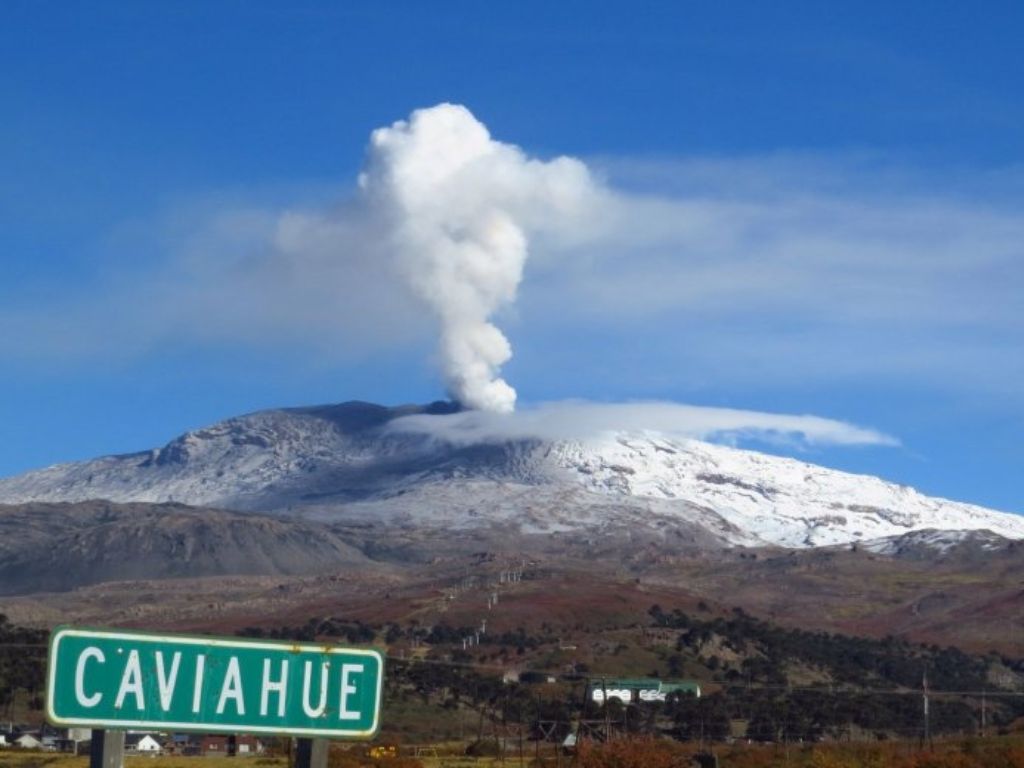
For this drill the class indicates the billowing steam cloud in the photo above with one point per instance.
(461, 208)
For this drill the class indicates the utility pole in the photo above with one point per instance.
(583, 705)
(983, 713)
(924, 691)
(521, 728)
(536, 744)
(607, 713)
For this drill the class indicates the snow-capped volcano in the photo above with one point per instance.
(349, 462)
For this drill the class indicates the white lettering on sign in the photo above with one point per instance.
(347, 689)
(89, 653)
(232, 688)
(622, 694)
(197, 691)
(652, 695)
(166, 682)
(131, 682)
(279, 686)
(306, 675)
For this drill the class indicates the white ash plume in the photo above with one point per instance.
(461, 208)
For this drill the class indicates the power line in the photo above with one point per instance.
(831, 689)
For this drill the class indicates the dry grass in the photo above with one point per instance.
(16, 758)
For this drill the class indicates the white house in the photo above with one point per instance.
(28, 741)
(142, 743)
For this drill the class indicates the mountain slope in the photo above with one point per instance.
(354, 462)
(782, 501)
(55, 547)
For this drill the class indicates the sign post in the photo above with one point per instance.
(113, 679)
(311, 753)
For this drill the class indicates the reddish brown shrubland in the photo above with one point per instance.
(647, 753)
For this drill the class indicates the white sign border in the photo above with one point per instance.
(61, 632)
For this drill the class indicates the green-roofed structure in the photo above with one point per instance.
(638, 689)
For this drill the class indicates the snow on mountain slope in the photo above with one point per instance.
(259, 461)
(340, 463)
(928, 542)
(780, 500)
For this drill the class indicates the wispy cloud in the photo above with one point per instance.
(767, 270)
(578, 420)
(783, 270)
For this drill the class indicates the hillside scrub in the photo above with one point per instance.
(650, 753)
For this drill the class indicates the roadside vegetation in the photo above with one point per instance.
(771, 696)
(997, 752)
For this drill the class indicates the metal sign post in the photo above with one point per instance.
(106, 750)
(311, 753)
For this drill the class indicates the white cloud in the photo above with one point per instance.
(791, 272)
(578, 420)
(759, 271)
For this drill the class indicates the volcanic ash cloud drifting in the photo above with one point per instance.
(461, 208)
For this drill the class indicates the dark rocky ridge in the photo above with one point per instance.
(61, 546)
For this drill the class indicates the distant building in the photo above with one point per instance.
(28, 741)
(75, 741)
(215, 745)
(74, 746)
(629, 690)
(142, 744)
(246, 745)
(179, 743)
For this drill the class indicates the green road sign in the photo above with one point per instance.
(122, 679)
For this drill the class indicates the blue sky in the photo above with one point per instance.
(825, 208)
